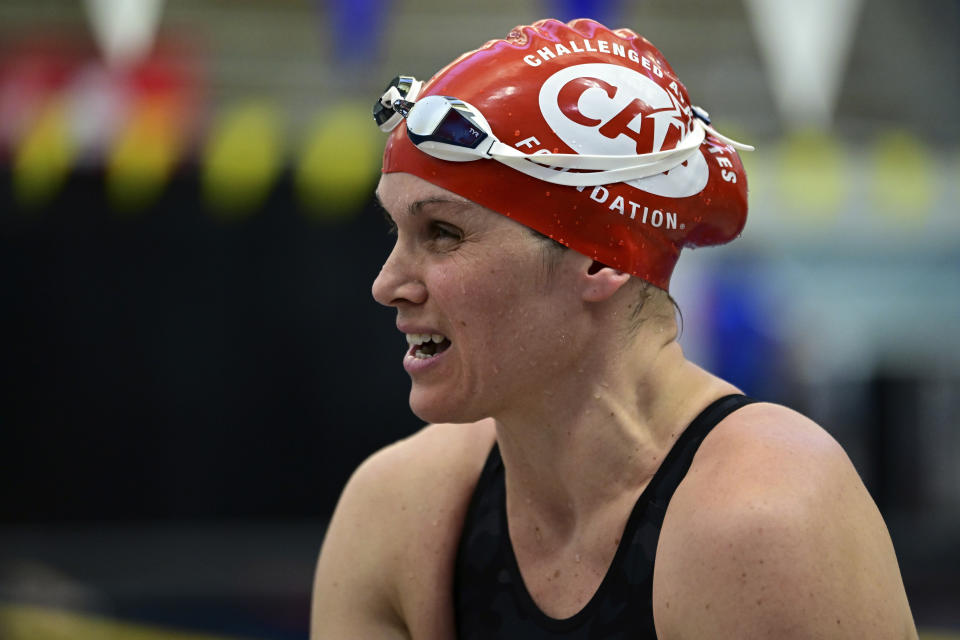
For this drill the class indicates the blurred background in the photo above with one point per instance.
(190, 361)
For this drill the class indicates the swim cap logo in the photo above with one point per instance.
(612, 110)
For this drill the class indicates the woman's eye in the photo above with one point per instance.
(442, 230)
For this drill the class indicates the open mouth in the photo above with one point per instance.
(427, 345)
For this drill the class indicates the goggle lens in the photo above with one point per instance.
(446, 121)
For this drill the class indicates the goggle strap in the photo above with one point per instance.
(601, 162)
(730, 141)
(594, 178)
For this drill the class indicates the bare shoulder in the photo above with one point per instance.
(772, 534)
(438, 457)
(394, 533)
(429, 475)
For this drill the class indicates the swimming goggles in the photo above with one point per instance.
(451, 129)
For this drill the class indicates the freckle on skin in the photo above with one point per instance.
(758, 602)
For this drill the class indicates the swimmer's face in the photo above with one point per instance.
(475, 280)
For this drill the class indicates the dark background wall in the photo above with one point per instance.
(173, 365)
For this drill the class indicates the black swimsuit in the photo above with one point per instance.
(490, 599)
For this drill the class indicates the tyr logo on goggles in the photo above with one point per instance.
(453, 130)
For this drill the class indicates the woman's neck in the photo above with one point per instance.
(594, 440)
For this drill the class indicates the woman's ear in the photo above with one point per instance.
(600, 282)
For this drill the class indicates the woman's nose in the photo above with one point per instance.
(399, 281)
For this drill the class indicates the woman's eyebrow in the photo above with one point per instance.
(416, 207)
(419, 205)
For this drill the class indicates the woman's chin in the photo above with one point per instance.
(438, 410)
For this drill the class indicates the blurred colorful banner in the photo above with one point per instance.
(355, 28)
(607, 12)
(62, 107)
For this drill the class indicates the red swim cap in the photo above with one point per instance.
(582, 88)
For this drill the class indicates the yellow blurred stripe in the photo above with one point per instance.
(339, 163)
(43, 157)
(144, 155)
(939, 635)
(242, 158)
(904, 186)
(812, 176)
(27, 622)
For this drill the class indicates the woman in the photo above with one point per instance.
(581, 478)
